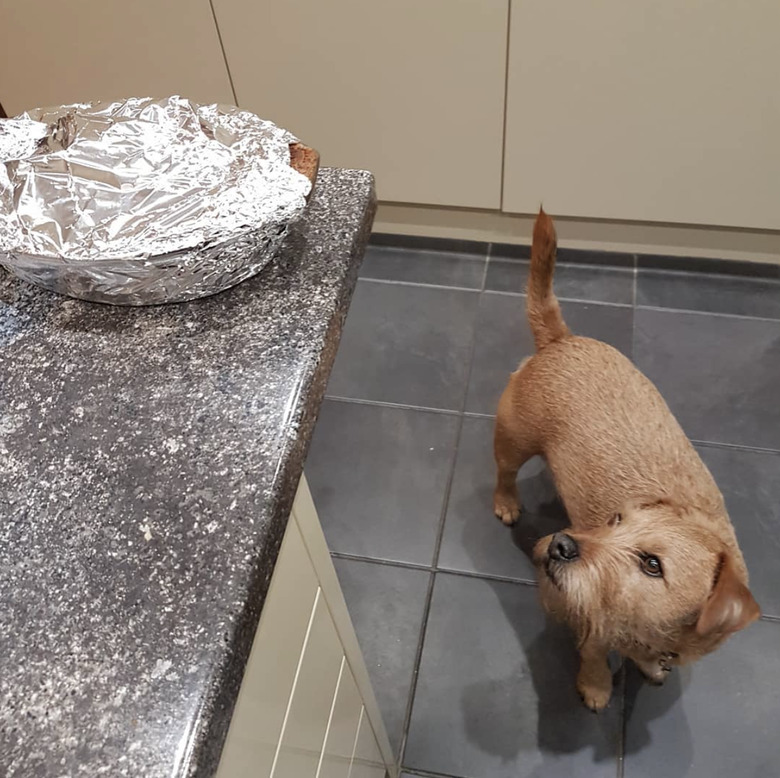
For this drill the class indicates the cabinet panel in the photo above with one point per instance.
(305, 515)
(343, 728)
(53, 53)
(315, 689)
(653, 110)
(413, 91)
(367, 762)
(270, 672)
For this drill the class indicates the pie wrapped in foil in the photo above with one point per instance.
(144, 201)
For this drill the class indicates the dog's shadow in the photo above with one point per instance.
(560, 725)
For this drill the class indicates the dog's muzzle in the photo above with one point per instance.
(563, 548)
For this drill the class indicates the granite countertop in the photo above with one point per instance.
(148, 462)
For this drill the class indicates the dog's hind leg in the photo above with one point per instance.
(513, 445)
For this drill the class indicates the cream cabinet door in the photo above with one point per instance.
(412, 90)
(367, 761)
(53, 53)
(655, 110)
(269, 678)
(306, 708)
(312, 701)
(343, 727)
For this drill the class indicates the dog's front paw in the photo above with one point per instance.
(594, 682)
(506, 507)
(595, 697)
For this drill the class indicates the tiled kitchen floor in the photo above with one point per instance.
(472, 680)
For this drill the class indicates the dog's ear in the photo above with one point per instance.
(730, 607)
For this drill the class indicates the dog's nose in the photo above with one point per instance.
(563, 547)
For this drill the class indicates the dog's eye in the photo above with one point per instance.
(651, 565)
(615, 520)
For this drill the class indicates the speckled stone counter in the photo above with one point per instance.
(148, 462)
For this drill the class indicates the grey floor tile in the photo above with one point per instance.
(503, 339)
(496, 691)
(442, 268)
(579, 282)
(406, 344)
(714, 719)
(474, 540)
(709, 292)
(386, 605)
(378, 476)
(719, 374)
(750, 482)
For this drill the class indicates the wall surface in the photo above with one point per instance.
(58, 53)
(649, 126)
(653, 110)
(413, 91)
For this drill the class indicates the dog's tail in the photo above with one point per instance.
(544, 313)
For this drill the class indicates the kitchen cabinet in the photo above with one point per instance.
(654, 110)
(411, 90)
(366, 761)
(306, 707)
(57, 53)
(344, 725)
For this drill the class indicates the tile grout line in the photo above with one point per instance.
(440, 531)
(419, 773)
(429, 594)
(488, 577)
(654, 308)
(488, 257)
(564, 263)
(734, 447)
(383, 562)
(621, 750)
(478, 415)
(719, 314)
(416, 671)
(397, 282)
(758, 273)
(579, 300)
(431, 582)
(771, 280)
(428, 774)
(430, 569)
(385, 404)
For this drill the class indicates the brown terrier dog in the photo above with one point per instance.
(650, 566)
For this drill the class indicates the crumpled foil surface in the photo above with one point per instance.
(144, 201)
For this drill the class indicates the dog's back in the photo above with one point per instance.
(605, 430)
